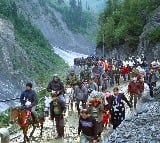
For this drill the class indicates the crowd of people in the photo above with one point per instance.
(95, 103)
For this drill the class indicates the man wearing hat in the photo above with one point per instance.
(29, 99)
(56, 87)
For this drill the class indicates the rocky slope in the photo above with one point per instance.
(140, 126)
(145, 45)
(17, 58)
(51, 24)
(10, 79)
(150, 49)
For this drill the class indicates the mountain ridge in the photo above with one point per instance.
(58, 35)
(28, 31)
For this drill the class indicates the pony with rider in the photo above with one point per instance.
(26, 114)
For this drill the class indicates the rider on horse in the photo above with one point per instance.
(29, 100)
(56, 87)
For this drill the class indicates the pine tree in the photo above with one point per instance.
(72, 4)
(60, 1)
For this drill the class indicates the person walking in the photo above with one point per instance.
(151, 79)
(134, 91)
(87, 129)
(117, 76)
(96, 109)
(81, 94)
(57, 111)
(117, 108)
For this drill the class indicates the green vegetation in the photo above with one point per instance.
(154, 35)
(77, 20)
(4, 118)
(122, 22)
(53, 20)
(4, 121)
(43, 62)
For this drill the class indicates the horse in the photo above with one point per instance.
(4, 135)
(23, 117)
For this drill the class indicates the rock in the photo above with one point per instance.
(11, 82)
(144, 127)
(127, 136)
(150, 50)
(51, 24)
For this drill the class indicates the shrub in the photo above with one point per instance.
(154, 35)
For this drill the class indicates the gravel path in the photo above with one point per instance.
(71, 126)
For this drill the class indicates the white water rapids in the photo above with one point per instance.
(68, 56)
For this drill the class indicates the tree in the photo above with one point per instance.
(14, 9)
(79, 12)
(60, 1)
(72, 4)
(124, 21)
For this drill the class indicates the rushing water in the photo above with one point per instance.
(68, 56)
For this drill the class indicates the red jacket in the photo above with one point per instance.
(106, 118)
(140, 86)
(133, 88)
(125, 70)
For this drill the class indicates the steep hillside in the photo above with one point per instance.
(28, 31)
(95, 6)
(150, 37)
(122, 23)
(54, 21)
(25, 54)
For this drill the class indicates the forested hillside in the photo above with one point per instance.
(77, 19)
(122, 23)
(62, 25)
(29, 29)
(42, 61)
(94, 6)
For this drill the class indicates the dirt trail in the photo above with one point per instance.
(71, 126)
